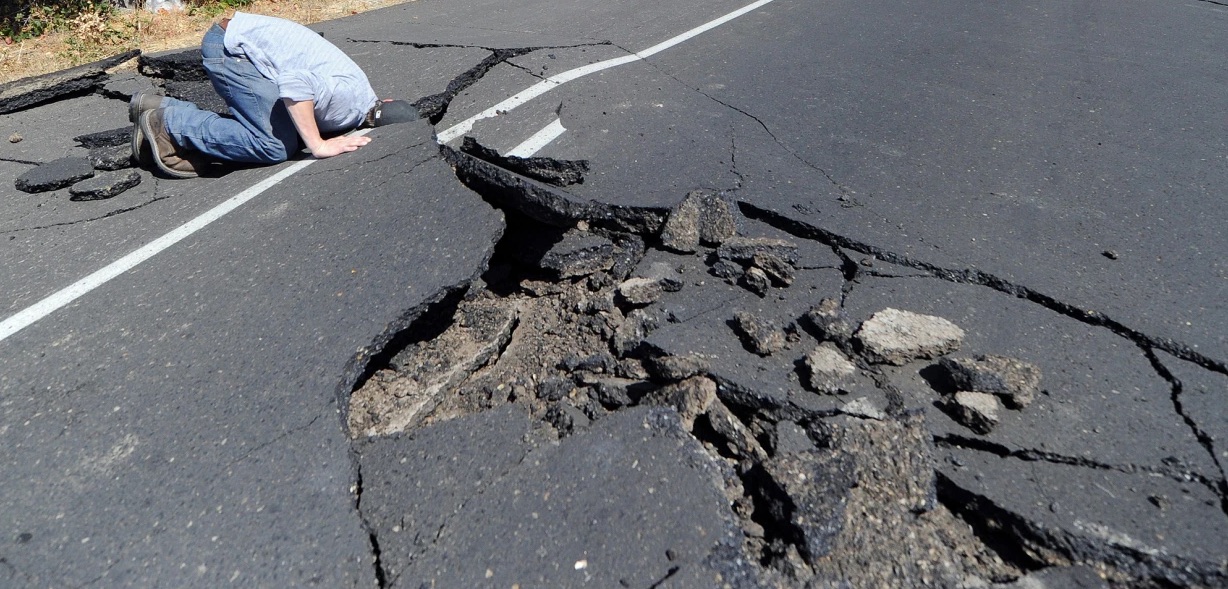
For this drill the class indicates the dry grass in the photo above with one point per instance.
(92, 37)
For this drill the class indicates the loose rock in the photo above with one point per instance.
(15, 138)
(896, 337)
(828, 320)
(1017, 382)
(105, 185)
(114, 157)
(55, 174)
(676, 367)
(829, 369)
(631, 332)
(640, 291)
(727, 269)
(690, 398)
(738, 440)
(760, 336)
(779, 270)
(977, 411)
(756, 281)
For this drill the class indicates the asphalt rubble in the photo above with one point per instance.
(715, 396)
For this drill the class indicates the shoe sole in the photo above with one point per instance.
(140, 154)
(153, 149)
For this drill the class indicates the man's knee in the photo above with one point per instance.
(270, 151)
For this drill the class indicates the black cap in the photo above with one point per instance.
(392, 112)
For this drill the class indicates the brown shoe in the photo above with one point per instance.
(171, 159)
(141, 102)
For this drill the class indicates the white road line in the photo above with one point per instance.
(539, 140)
(29, 315)
(544, 86)
(33, 313)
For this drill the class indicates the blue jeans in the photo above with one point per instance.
(261, 131)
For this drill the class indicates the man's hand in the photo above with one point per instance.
(339, 145)
(303, 114)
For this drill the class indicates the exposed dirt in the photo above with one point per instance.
(552, 345)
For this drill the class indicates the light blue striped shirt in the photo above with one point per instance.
(305, 67)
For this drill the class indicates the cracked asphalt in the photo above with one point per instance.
(1043, 175)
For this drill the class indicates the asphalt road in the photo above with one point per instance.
(178, 424)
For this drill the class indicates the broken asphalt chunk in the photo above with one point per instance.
(176, 64)
(199, 93)
(830, 369)
(759, 335)
(122, 86)
(55, 174)
(110, 138)
(115, 157)
(105, 185)
(1060, 514)
(892, 336)
(579, 254)
(543, 169)
(978, 411)
(1017, 382)
(35, 90)
(744, 249)
(632, 474)
(703, 217)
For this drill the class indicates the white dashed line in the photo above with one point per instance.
(539, 140)
(29, 315)
(544, 86)
(37, 311)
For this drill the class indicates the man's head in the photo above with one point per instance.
(390, 112)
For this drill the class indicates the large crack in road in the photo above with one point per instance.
(583, 328)
(745, 442)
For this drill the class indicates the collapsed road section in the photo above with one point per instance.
(860, 444)
(466, 368)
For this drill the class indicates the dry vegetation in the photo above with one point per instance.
(92, 36)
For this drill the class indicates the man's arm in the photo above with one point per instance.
(303, 113)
